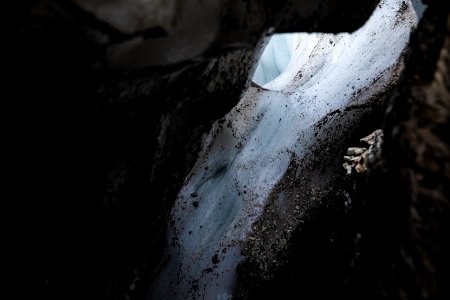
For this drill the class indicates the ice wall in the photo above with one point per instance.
(278, 52)
(247, 152)
(275, 58)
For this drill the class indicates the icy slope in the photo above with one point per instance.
(275, 58)
(246, 154)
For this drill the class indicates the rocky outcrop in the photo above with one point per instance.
(406, 227)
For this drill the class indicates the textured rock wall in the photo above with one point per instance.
(406, 225)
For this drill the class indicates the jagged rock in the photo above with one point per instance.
(408, 252)
(360, 158)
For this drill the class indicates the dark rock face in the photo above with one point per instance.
(139, 34)
(103, 154)
(107, 160)
(406, 225)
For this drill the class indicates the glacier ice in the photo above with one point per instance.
(279, 50)
(246, 154)
(275, 58)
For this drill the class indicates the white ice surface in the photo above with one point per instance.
(244, 158)
(275, 58)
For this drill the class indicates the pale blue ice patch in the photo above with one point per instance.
(275, 58)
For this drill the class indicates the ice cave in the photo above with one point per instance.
(304, 78)
(231, 149)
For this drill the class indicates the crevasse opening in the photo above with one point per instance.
(275, 58)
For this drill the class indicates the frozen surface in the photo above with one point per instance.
(245, 156)
(275, 58)
(278, 52)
